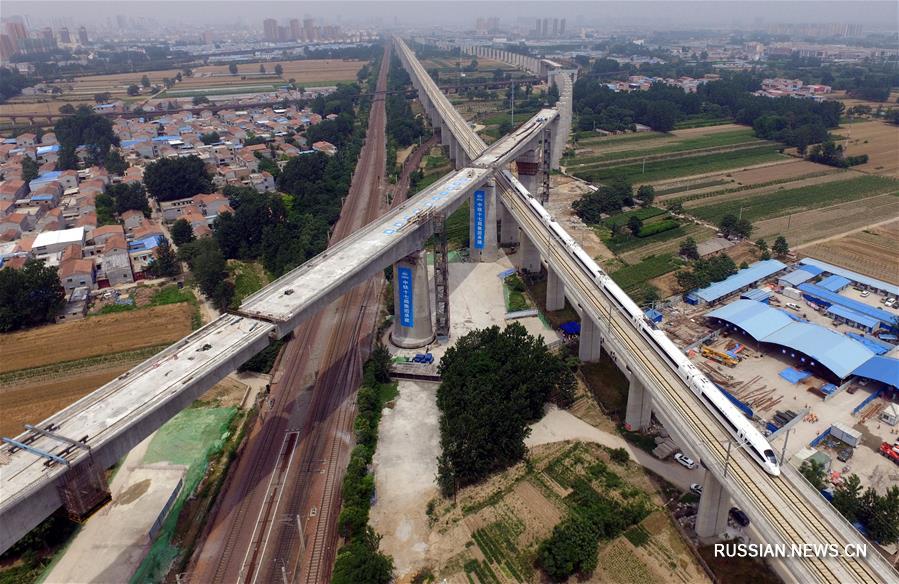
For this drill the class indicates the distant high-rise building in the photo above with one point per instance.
(283, 34)
(8, 47)
(16, 30)
(82, 35)
(545, 28)
(46, 33)
(64, 36)
(122, 21)
(555, 27)
(309, 30)
(270, 29)
(537, 28)
(562, 27)
(296, 31)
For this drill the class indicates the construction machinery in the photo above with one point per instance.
(719, 356)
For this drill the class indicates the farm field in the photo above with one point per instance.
(96, 335)
(747, 192)
(871, 252)
(500, 524)
(848, 101)
(879, 140)
(783, 202)
(681, 167)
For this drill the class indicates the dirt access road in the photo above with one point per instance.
(288, 474)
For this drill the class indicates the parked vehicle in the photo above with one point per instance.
(793, 306)
(739, 517)
(865, 293)
(696, 489)
(685, 460)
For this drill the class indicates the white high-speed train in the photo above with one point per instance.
(716, 402)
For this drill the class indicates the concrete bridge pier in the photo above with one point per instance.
(482, 223)
(508, 228)
(412, 323)
(528, 255)
(590, 345)
(555, 290)
(528, 168)
(639, 406)
(711, 518)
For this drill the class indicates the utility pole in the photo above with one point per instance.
(727, 460)
(783, 452)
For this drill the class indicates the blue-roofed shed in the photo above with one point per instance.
(166, 138)
(809, 343)
(742, 279)
(883, 369)
(853, 318)
(853, 276)
(826, 298)
(654, 315)
(41, 150)
(834, 283)
(795, 278)
(757, 294)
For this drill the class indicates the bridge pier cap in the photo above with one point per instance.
(412, 323)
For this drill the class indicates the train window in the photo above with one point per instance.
(769, 454)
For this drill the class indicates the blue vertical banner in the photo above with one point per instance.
(479, 219)
(404, 281)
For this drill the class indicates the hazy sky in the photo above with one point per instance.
(455, 12)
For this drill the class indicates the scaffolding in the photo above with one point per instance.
(441, 277)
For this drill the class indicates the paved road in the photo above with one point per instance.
(288, 475)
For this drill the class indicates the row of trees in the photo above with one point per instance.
(494, 383)
(609, 199)
(84, 128)
(11, 83)
(879, 514)
(703, 272)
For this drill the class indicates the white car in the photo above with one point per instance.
(685, 460)
(793, 306)
(865, 293)
(696, 489)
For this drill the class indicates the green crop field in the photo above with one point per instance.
(666, 169)
(788, 201)
(720, 139)
(630, 277)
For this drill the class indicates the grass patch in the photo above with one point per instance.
(171, 294)
(115, 308)
(248, 277)
(630, 277)
(637, 535)
(457, 228)
(783, 202)
(665, 169)
(642, 214)
(607, 383)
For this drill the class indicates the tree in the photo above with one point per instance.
(634, 224)
(279, 70)
(145, 81)
(847, 497)
(29, 296)
(30, 169)
(880, 515)
(129, 196)
(168, 179)
(115, 163)
(11, 83)
(210, 138)
(676, 207)
(200, 100)
(360, 562)
(495, 382)
(232, 68)
(84, 128)
(102, 97)
(731, 226)
(67, 109)
(688, 249)
(133, 90)
(182, 232)
(165, 263)
(780, 247)
(209, 269)
(570, 549)
(761, 244)
(261, 68)
(814, 472)
(646, 194)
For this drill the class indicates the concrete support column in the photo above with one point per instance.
(555, 290)
(528, 168)
(508, 229)
(412, 324)
(590, 345)
(711, 518)
(529, 255)
(482, 223)
(639, 406)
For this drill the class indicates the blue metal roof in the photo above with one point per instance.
(741, 279)
(879, 347)
(797, 277)
(42, 198)
(885, 369)
(838, 353)
(166, 138)
(834, 283)
(757, 294)
(853, 316)
(833, 298)
(41, 150)
(854, 276)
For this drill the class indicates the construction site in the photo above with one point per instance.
(809, 352)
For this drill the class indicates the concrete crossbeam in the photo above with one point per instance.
(413, 326)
